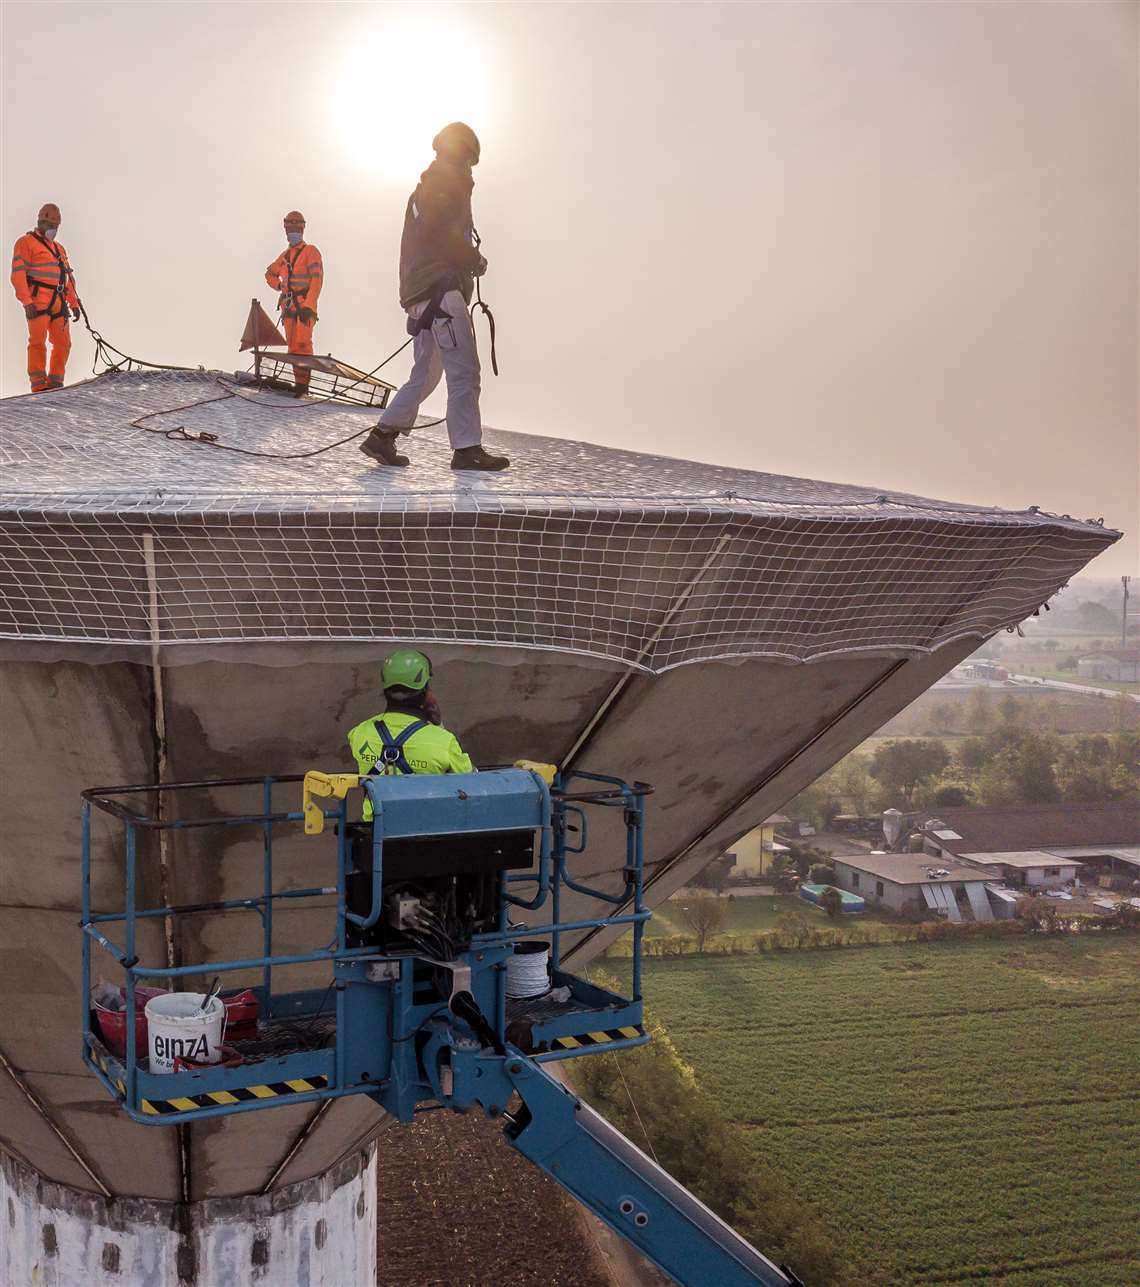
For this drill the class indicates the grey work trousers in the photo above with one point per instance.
(447, 347)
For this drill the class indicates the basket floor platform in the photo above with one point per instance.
(293, 1052)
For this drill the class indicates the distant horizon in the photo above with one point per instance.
(878, 244)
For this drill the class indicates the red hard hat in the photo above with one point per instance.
(50, 211)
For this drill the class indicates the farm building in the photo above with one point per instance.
(909, 882)
(1058, 837)
(1121, 665)
(985, 671)
(1031, 869)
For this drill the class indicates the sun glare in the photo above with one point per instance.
(399, 85)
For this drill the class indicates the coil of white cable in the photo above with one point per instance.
(528, 970)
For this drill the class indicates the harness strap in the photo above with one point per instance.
(289, 289)
(435, 309)
(392, 750)
(58, 288)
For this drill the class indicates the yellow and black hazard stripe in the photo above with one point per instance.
(212, 1098)
(101, 1060)
(239, 1095)
(597, 1038)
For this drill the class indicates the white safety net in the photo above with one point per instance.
(117, 528)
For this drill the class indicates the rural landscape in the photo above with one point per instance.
(947, 1111)
(896, 1098)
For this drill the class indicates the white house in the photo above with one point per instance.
(911, 882)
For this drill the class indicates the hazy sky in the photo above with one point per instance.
(874, 243)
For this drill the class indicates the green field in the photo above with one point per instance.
(953, 1111)
(752, 914)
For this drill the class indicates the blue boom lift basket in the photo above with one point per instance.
(416, 1013)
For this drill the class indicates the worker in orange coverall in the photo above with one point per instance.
(45, 285)
(298, 273)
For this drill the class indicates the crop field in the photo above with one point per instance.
(954, 1111)
(754, 914)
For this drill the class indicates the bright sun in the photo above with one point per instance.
(399, 85)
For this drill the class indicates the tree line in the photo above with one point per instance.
(1009, 765)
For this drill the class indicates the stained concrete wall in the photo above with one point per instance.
(319, 1233)
(725, 744)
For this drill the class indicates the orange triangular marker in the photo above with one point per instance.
(260, 333)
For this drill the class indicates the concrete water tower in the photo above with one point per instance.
(171, 611)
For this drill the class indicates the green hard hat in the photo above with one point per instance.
(406, 669)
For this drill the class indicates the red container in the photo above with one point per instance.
(112, 1024)
(241, 1019)
(241, 1012)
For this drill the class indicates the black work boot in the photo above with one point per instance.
(477, 458)
(381, 446)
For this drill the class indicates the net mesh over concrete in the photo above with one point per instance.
(112, 532)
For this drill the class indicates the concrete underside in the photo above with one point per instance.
(725, 744)
(319, 1233)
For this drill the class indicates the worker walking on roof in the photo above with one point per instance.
(409, 737)
(45, 285)
(298, 273)
(439, 261)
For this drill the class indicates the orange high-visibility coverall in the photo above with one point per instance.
(298, 273)
(42, 277)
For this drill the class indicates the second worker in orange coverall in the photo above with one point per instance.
(45, 285)
(298, 273)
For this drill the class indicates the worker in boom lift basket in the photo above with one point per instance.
(45, 285)
(409, 737)
(298, 273)
(439, 261)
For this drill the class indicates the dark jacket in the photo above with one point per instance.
(437, 241)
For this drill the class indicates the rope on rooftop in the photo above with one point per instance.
(178, 433)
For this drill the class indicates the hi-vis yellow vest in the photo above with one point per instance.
(430, 749)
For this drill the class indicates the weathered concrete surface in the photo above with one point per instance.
(319, 1233)
(724, 744)
(782, 728)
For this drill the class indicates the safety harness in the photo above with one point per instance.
(392, 755)
(58, 289)
(435, 309)
(292, 301)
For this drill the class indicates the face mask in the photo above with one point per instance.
(294, 238)
(49, 233)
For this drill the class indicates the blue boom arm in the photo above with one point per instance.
(639, 1201)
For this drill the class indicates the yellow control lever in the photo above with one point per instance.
(547, 772)
(336, 785)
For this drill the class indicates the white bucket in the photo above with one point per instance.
(180, 1030)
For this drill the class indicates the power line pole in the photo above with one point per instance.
(1124, 612)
